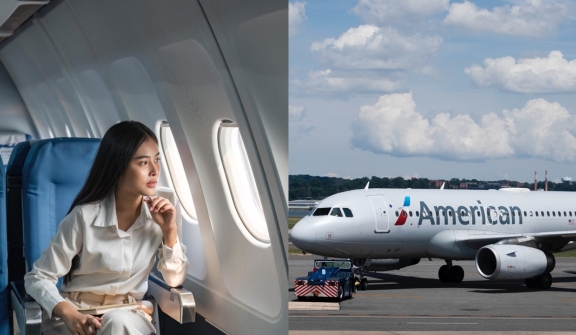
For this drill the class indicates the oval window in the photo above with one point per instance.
(241, 181)
(176, 170)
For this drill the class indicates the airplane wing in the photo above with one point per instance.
(478, 239)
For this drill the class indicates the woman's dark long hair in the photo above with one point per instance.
(118, 147)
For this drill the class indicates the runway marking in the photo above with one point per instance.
(389, 295)
(403, 316)
(313, 306)
(442, 323)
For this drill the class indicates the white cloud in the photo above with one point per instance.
(338, 82)
(531, 18)
(369, 47)
(541, 129)
(295, 113)
(299, 123)
(332, 174)
(296, 15)
(529, 75)
(405, 12)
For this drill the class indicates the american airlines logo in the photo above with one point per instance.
(470, 215)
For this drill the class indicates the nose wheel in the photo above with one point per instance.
(450, 273)
(360, 281)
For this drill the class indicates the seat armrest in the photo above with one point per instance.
(28, 312)
(176, 302)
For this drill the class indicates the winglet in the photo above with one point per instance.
(367, 184)
(442, 187)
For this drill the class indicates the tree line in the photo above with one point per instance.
(304, 187)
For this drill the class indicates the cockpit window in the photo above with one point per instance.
(336, 212)
(321, 211)
(347, 212)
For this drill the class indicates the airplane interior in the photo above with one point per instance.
(210, 78)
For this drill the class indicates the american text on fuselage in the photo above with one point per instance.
(504, 215)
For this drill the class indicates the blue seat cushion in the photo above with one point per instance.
(54, 172)
(17, 159)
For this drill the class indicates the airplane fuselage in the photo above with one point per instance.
(406, 223)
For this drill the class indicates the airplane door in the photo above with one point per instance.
(380, 214)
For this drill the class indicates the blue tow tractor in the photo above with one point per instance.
(330, 279)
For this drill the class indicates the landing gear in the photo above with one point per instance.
(449, 273)
(363, 281)
(364, 284)
(543, 281)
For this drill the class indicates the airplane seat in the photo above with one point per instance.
(4, 314)
(16, 266)
(54, 172)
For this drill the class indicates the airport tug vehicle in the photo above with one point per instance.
(330, 279)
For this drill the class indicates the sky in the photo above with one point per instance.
(433, 88)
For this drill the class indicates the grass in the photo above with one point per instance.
(569, 253)
(294, 250)
(292, 222)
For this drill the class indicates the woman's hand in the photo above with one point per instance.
(82, 324)
(164, 214)
(76, 322)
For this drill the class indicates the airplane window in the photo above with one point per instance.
(348, 212)
(450, 213)
(565, 213)
(530, 213)
(536, 213)
(403, 214)
(410, 213)
(547, 213)
(396, 213)
(477, 213)
(322, 211)
(177, 175)
(417, 214)
(336, 212)
(542, 212)
(241, 182)
(525, 214)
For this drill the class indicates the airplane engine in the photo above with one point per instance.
(388, 264)
(498, 261)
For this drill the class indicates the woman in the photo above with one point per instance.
(107, 244)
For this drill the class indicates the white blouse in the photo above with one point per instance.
(112, 261)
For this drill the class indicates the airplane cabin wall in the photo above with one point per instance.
(14, 116)
(81, 66)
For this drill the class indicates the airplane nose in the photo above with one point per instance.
(303, 235)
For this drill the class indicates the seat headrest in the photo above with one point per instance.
(17, 159)
(54, 172)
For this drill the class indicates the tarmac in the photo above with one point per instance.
(413, 301)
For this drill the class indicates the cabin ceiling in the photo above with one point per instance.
(14, 13)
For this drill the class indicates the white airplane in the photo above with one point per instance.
(510, 233)
(210, 78)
